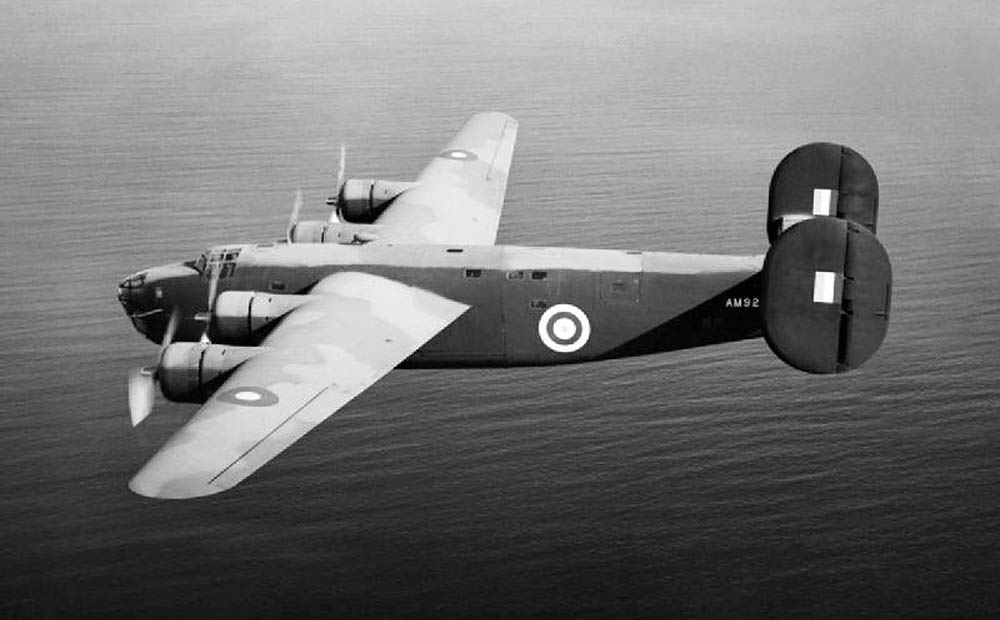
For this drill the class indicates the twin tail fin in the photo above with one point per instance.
(827, 280)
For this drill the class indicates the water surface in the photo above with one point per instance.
(714, 482)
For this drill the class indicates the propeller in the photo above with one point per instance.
(294, 219)
(341, 167)
(213, 290)
(142, 381)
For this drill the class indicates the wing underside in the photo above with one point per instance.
(356, 329)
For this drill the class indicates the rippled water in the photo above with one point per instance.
(714, 482)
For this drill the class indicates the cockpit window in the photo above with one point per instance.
(224, 260)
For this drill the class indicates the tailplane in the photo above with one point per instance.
(827, 279)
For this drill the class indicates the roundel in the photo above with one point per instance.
(564, 328)
(248, 396)
(460, 154)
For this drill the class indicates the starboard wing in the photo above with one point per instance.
(459, 195)
(357, 328)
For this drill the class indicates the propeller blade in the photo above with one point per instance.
(292, 221)
(168, 334)
(142, 381)
(341, 167)
(141, 390)
(213, 289)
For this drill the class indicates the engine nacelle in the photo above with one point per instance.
(317, 231)
(827, 281)
(190, 371)
(822, 179)
(361, 201)
(240, 316)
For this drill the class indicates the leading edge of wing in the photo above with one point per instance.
(322, 355)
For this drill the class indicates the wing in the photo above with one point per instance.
(459, 195)
(323, 354)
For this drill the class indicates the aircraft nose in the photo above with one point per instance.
(124, 297)
(141, 304)
(150, 296)
(128, 290)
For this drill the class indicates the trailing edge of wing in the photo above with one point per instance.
(324, 353)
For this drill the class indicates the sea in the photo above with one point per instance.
(708, 483)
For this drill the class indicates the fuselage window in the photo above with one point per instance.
(473, 273)
(277, 285)
(539, 275)
(539, 303)
(515, 275)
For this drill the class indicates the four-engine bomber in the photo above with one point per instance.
(274, 337)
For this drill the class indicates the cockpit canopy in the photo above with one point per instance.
(213, 258)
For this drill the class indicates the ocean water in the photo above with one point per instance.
(707, 483)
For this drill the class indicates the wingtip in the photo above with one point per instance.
(172, 488)
(495, 114)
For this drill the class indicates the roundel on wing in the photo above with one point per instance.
(564, 328)
(460, 154)
(248, 396)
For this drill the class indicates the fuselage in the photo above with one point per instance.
(527, 305)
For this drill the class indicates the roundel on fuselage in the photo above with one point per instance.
(564, 328)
